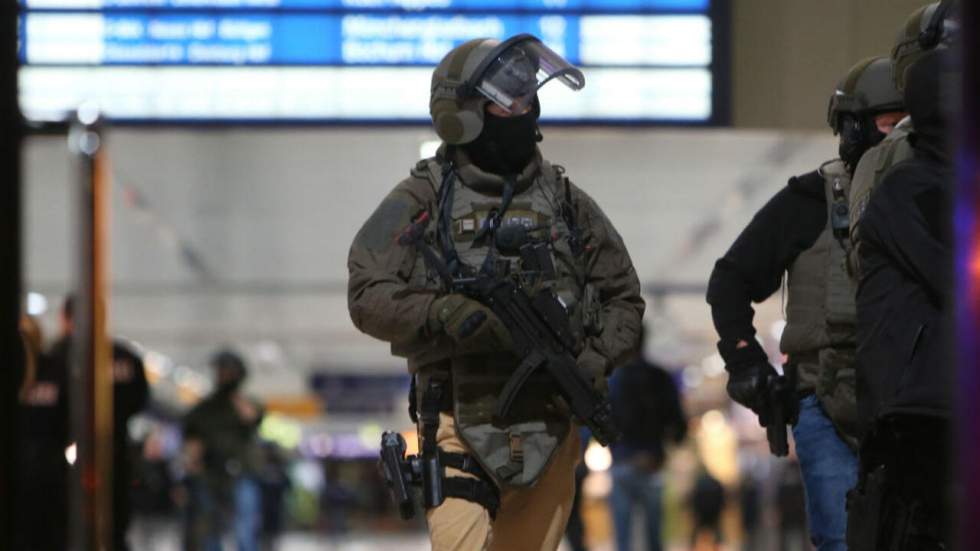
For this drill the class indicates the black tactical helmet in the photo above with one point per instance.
(229, 359)
(866, 89)
(931, 26)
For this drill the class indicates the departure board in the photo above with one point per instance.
(281, 61)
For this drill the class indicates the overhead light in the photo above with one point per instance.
(89, 112)
(269, 352)
(36, 304)
(71, 454)
(597, 458)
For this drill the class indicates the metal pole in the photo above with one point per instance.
(90, 372)
(11, 132)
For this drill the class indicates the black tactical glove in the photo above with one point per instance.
(471, 324)
(748, 371)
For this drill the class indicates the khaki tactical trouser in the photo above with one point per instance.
(529, 519)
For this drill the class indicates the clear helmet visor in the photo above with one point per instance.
(520, 66)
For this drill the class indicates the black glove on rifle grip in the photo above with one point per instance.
(748, 371)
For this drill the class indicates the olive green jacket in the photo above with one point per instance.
(384, 301)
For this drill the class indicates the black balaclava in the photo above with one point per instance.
(858, 133)
(506, 144)
(928, 101)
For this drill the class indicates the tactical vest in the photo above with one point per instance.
(869, 173)
(819, 336)
(513, 451)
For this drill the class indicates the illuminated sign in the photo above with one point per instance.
(338, 60)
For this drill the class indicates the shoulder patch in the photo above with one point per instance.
(384, 225)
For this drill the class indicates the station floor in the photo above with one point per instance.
(166, 537)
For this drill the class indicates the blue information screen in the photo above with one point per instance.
(666, 6)
(228, 60)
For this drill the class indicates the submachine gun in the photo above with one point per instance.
(542, 337)
(780, 408)
(538, 325)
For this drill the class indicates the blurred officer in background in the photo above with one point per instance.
(33, 343)
(223, 461)
(42, 490)
(130, 393)
(802, 231)
(905, 328)
(487, 179)
(647, 407)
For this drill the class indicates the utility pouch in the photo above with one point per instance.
(836, 390)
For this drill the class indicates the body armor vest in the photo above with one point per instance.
(877, 160)
(513, 451)
(820, 311)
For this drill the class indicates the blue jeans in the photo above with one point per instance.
(829, 469)
(248, 514)
(631, 485)
(206, 517)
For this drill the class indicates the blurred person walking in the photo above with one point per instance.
(130, 394)
(707, 502)
(647, 408)
(223, 461)
(802, 232)
(487, 198)
(154, 492)
(575, 530)
(275, 483)
(42, 490)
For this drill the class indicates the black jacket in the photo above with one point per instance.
(647, 407)
(904, 327)
(753, 268)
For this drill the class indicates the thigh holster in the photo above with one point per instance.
(428, 468)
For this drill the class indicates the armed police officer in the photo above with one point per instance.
(902, 500)
(802, 230)
(928, 27)
(488, 208)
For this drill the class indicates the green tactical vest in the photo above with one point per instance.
(819, 337)
(869, 173)
(516, 450)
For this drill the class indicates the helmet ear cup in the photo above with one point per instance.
(446, 121)
(457, 124)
